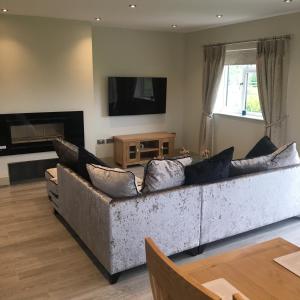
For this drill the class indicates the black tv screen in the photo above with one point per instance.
(136, 95)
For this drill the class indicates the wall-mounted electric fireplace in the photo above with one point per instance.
(34, 132)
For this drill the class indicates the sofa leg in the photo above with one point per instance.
(201, 249)
(114, 278)
(195, 251)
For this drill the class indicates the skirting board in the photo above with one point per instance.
(4, 181)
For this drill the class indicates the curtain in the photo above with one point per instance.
(270, 65)
(214, 58)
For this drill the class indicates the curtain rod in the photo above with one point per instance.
(287, 36)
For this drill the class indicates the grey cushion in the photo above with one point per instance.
(286, 155)
(116, 183)
(247, 166)
(162, 174)
(67, 153)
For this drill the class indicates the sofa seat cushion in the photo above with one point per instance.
(116, 183)
(53, 186)
(161, 174)
(210, 170)
(51, 173)
(52, 182)
(263, 147)
(286, 155)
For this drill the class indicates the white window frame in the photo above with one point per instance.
(223, 108)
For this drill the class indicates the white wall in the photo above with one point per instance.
(55, 65)
(242, 133)
(45, 65)
(48, 65)
(121, 52)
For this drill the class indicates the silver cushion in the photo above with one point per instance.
(164, 174)
(286, 155)
(116, 183)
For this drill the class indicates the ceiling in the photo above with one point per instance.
(189, 15)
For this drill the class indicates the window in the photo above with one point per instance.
(238, 92)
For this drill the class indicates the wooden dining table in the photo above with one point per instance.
(252, 270)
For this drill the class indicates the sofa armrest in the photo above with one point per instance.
(115, 230)
(87, 211)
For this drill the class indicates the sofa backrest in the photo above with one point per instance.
(115, 230)
(243, 203)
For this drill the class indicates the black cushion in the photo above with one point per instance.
(67, 153)
(75, 157)
(85, 157)
(210, 170)
(263, 147)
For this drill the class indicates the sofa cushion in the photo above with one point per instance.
(210, 170)
(67, 153)
(116, 183)
(52, 186)
(161, 174)
(263, 147)
(51, 173)
(286, 155)
(246, 166)
(84, 158)
(76, 158)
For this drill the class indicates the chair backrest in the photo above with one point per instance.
(168, 282)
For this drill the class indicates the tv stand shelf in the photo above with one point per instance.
(135, 149)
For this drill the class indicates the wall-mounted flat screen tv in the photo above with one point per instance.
(136, 95)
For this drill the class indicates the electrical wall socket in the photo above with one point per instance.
(109, 141)
(101, 142)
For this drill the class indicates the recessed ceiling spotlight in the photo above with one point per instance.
(287, 1)
(174, 26)
(4, 10)
(132, 5)
(219, 16)
(97, 19)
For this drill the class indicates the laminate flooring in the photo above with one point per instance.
(40, 260)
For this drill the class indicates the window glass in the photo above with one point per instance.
(238, 92)
(252, 100)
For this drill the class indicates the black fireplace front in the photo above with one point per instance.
(34, 132)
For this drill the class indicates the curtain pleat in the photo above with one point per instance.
(270, 72)
(214, 58)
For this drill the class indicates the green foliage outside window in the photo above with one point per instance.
(252, 101)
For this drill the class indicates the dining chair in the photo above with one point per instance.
(168, 282)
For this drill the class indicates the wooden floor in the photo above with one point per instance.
(40, 260)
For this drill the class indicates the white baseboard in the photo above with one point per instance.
(4, 181)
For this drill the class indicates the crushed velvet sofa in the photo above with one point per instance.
(179, 219)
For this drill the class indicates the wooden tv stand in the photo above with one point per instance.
(135, 149)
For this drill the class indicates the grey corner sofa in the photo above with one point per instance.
(180, 219)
